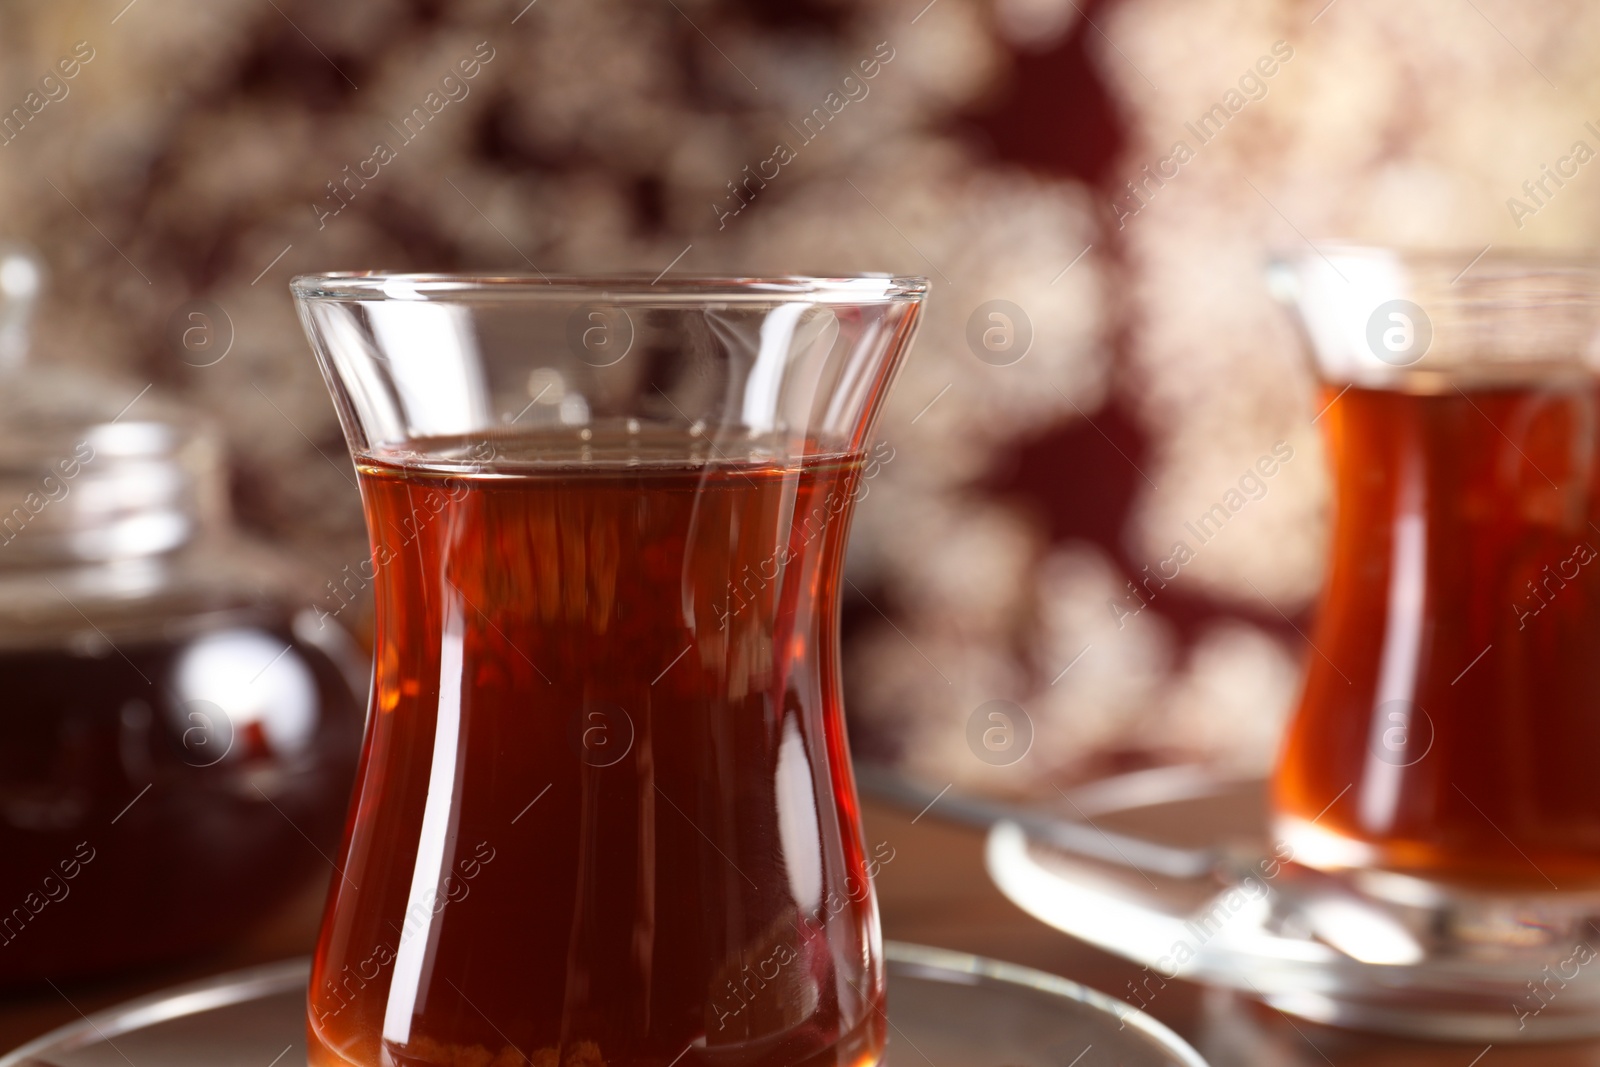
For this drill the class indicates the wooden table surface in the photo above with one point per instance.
(934, 892)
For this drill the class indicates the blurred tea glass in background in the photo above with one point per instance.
(606, 812)
(1443, 750)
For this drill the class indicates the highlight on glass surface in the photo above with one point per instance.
(605, 811)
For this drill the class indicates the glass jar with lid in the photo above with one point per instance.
(178, 733)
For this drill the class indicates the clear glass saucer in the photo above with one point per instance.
(1174, 869)
(946, 1009)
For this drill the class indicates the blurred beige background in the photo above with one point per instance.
(198, 151)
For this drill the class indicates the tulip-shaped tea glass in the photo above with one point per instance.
(1444, 755)
(605, 813)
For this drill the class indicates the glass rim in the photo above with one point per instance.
(1455, 259)
(1430, 318)
(619, 288)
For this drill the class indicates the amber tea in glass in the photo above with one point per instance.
(1446, 738)
(605, 813)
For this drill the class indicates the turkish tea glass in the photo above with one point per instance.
(605, 812)
(1443, 755)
